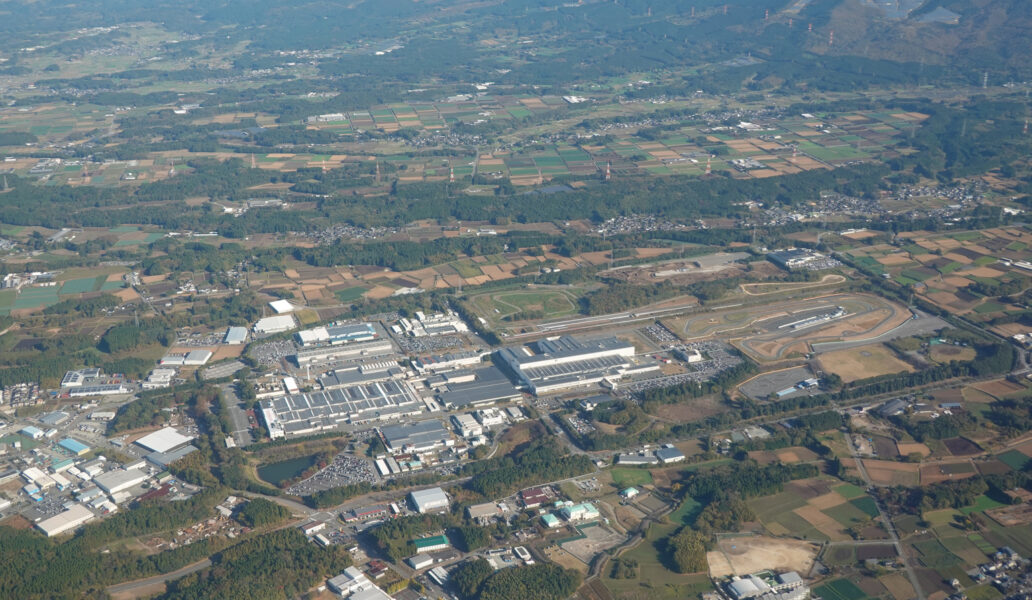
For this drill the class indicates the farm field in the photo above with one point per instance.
(944, 267)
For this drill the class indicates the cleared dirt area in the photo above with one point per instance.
(691, 410)
(944, 353)
(744, 555)
(564, 559)
(892, 473)
(863, 362)
(999, 388)
(905, 449)
(942, 472)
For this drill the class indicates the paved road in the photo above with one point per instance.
(889, 527)
(139, 583)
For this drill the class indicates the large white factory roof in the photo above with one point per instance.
(275, 324)
(163, 440)
(282, 306)
(76, 515)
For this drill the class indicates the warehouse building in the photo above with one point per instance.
(75, 516)
(37, 478)
(120, 480)
(420, 561)
(580, 512)
(350, 352)
(277, 324)
(431, 544)
(300, 414)
(668, 454)
(428, 500)
(162, 460)
(31, 432)
(80, 377)
(424, 436)
(368, 373)
(54, 419)
(107, 389)
(163, 440)
(467, 426)
(193, 358)
(566, 362)
(281, 307)
(425, 325)
(337, 334)
(446, 362)
(235, 336)
(474, 389)
(643, 458)
(76, 447)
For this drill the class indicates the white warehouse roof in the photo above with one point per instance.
(163, 440)
(282, 306)
(76, 515)
(429, 499)
(275, 324)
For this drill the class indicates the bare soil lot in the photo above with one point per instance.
(863, 362)
(744, 555)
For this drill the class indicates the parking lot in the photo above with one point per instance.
(762, 386)
(346, 469)
(223, 370)
(428, 344)
(271, 354)
(717, 357)
(659, 333)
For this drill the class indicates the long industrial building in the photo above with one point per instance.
(337, 333)
(300, 414)
(565, 362)
(353, 351)
(482, 387)
(424, 436)
(68, 520)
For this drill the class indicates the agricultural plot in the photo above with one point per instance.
(943, 269)
(839, 589)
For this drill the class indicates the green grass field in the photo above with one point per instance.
(769, 508)
(624, 477)
(981, 544)
(350, 294)
(839, 589)
(466, 270)
(550, 303)
(847, 514)
(849, 491)
(80, 286)
(686, 513)
(867, 505)
(1013, 459)
(934, 555)
(981, 503)
(655, 580)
